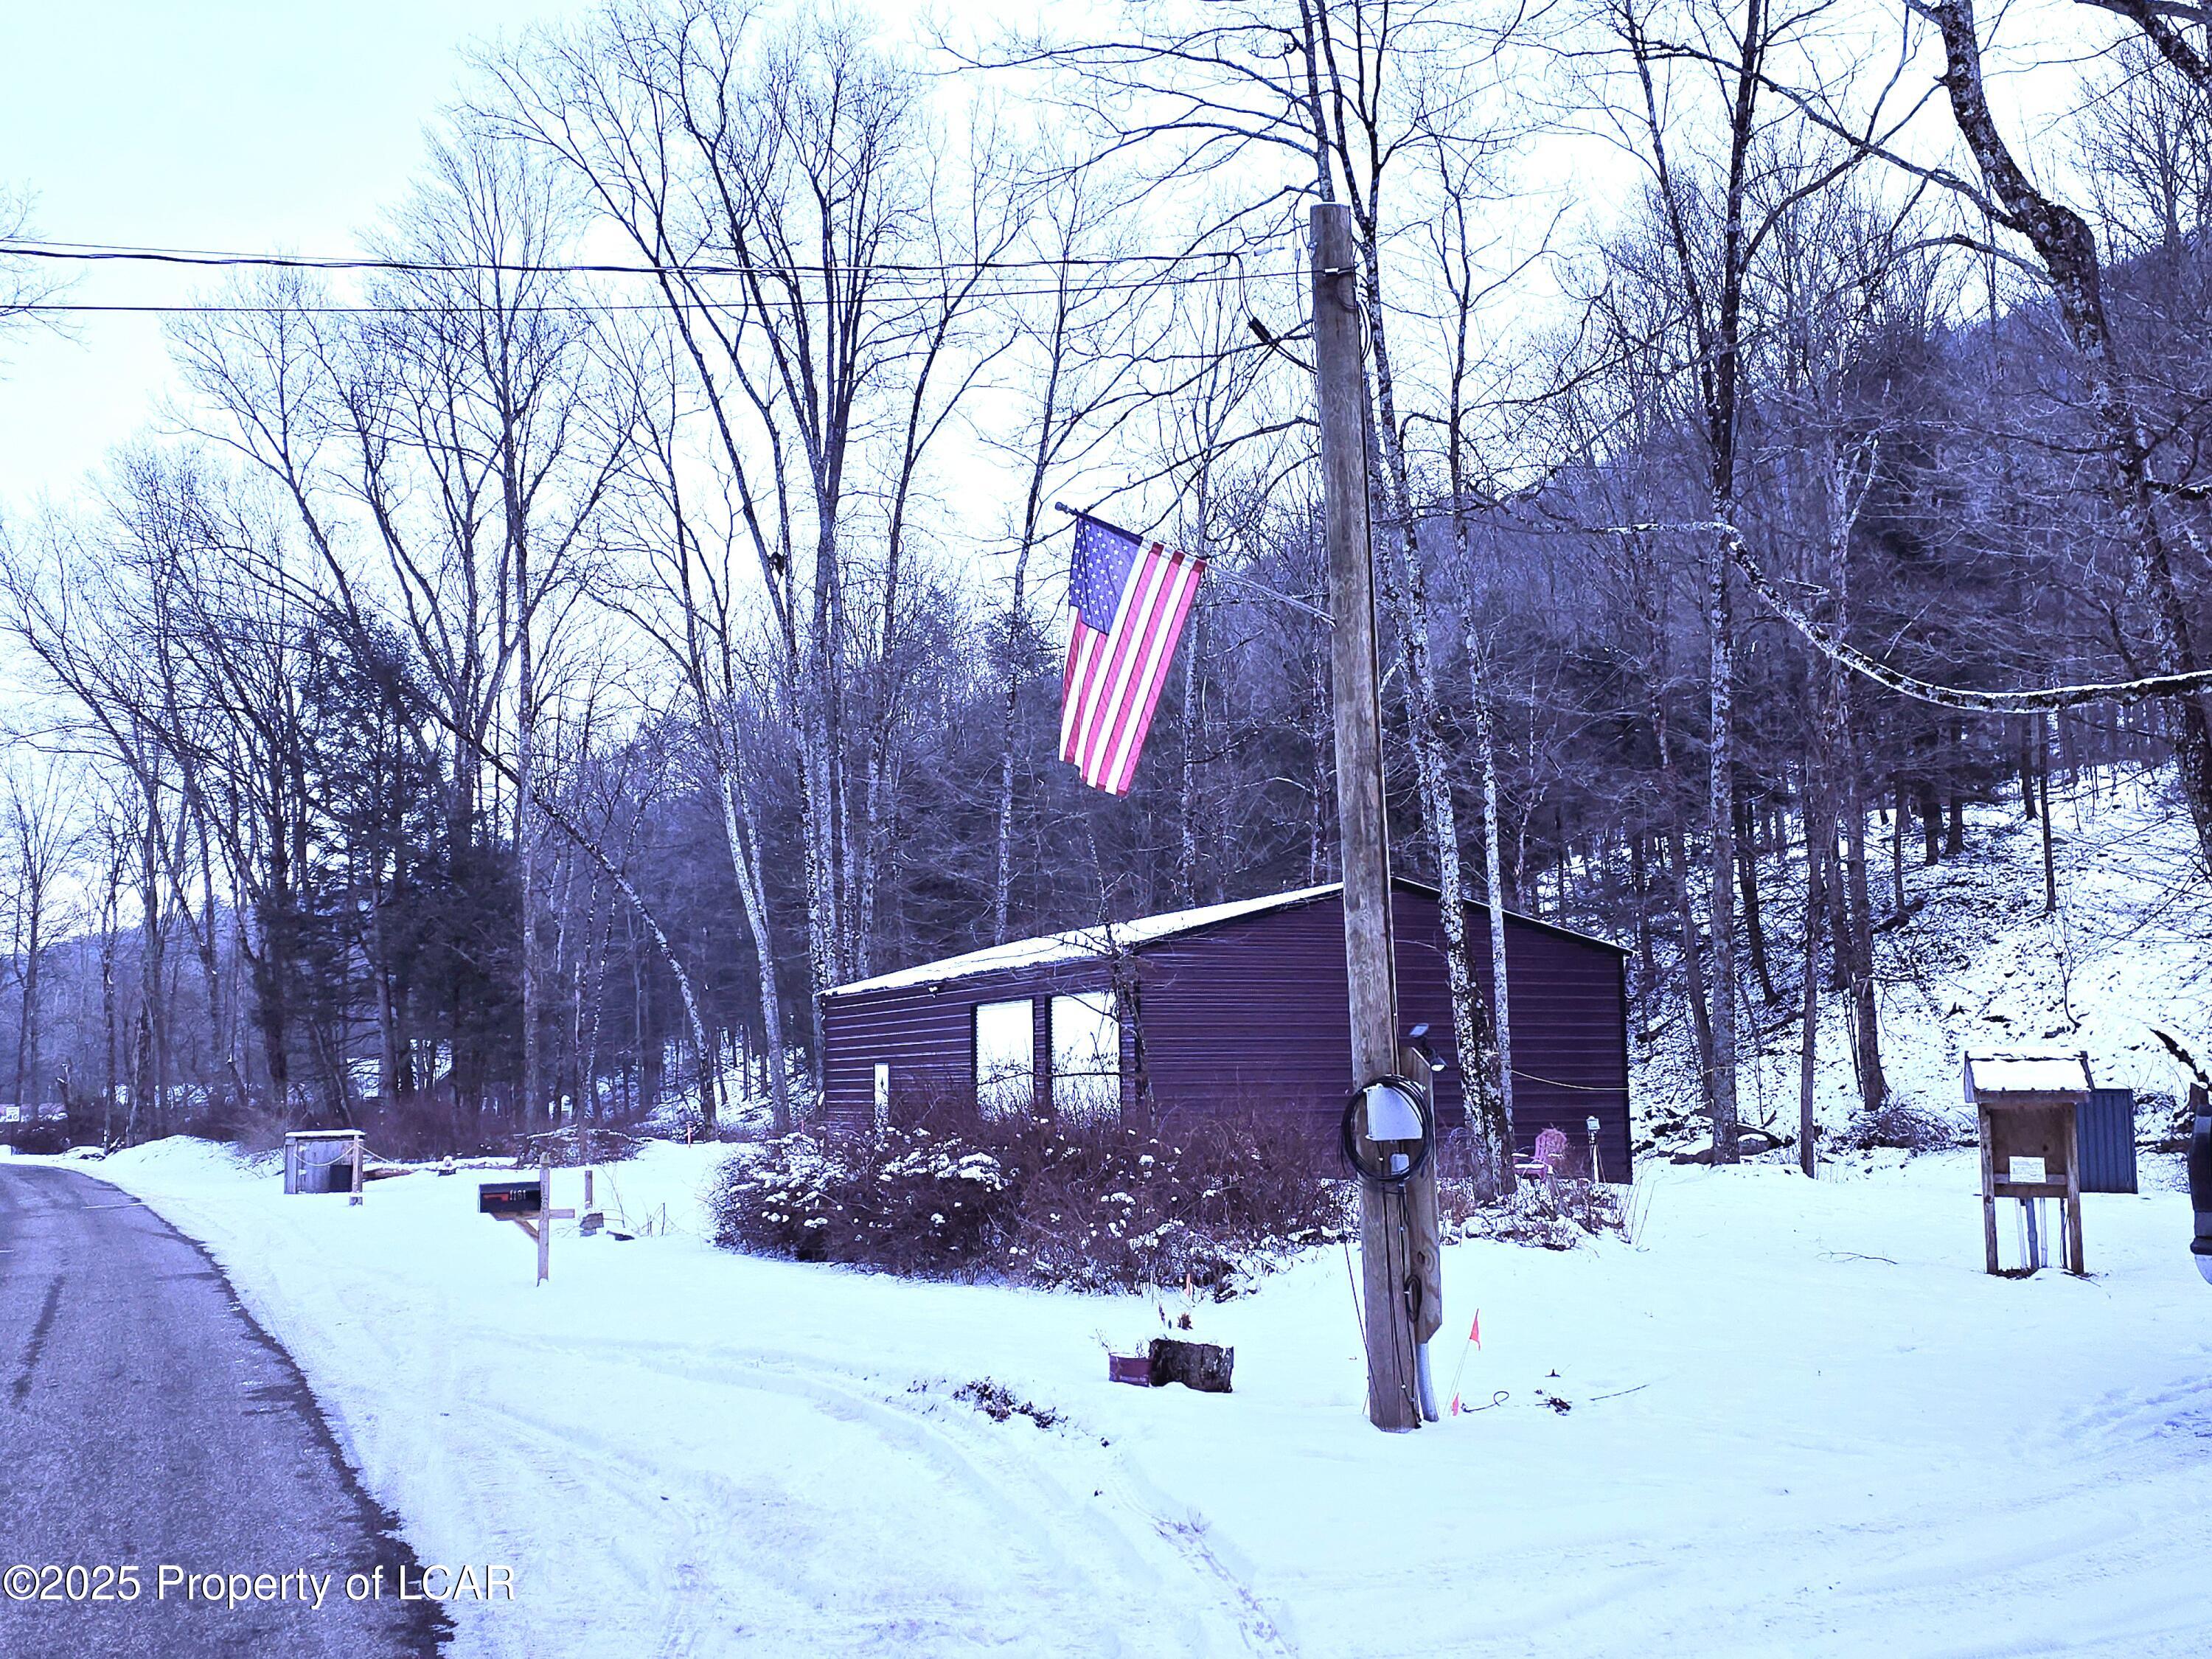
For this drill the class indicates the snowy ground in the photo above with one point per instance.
(1801, 1421)
(1979, 965)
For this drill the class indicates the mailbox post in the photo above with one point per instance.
(529, 1206)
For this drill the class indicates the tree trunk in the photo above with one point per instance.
(1319, 738)
(27, 1026)
(2067, 247)
(2043, 793)
(744, 847)
(1639, 878)
(1693, 972)
(525, 841)
(1193, 717)
(1754, 929)
(1002, 878)
(1865, 1022)
(1897, 849)
(1955, 836)
(1405, 585)
(1720, 810)
(1817, 849)
(1693, 975)
(1501, 1010)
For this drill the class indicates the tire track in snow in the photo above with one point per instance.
(562, 1446)
(619, 1471)
(1149, 1549)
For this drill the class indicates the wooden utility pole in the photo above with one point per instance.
(1386, 1245)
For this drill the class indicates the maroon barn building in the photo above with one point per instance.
(1227, 1009)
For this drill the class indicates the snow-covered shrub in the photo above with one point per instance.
(38, 1137)
(576, 1146)
(1554, 1214)
(1900, 1123)
(1087, 1206)
(903, 1199)
(1001, 1404)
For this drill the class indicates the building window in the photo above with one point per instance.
(1006, 1058)
(1086, 1056)
(882, 1097)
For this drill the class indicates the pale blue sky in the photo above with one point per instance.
(227, 124)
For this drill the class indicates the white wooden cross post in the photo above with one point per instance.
(541, 1229)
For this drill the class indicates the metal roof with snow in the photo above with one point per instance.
(2042, 1072)
(1084, 944)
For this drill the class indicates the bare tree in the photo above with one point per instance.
(772, 182)
(1712, 223)
(39, 837)
(25, 285)
(1080, 343)
(1312, 99)
(687, 595)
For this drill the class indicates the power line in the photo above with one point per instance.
(433, 308)
(219, 309)
(906, 283)
(122, 253)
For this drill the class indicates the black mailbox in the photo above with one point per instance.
(508, 1198)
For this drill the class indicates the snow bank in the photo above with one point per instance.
(1797, 1419)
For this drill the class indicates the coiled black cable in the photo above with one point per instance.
(1386, 1177)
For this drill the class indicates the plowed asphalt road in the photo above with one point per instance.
(146, 1420)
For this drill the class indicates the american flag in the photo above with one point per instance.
(1129, 602)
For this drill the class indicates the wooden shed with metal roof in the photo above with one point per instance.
(1227, 1009)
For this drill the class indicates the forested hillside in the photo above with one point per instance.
(2108, 959)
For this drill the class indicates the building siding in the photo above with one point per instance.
(926, 1033)
(1256, 1012)
(1253, 1014)
(2104, 1139)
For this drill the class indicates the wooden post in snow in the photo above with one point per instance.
(1340, 388)
(544, 1217)
(1988, 1188)
(354, 1197)
(538, 1222)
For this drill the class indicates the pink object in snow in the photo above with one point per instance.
(1551, 1152)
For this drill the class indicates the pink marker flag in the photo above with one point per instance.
(1473, 1341)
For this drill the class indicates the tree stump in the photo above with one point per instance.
(1203, 1367)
